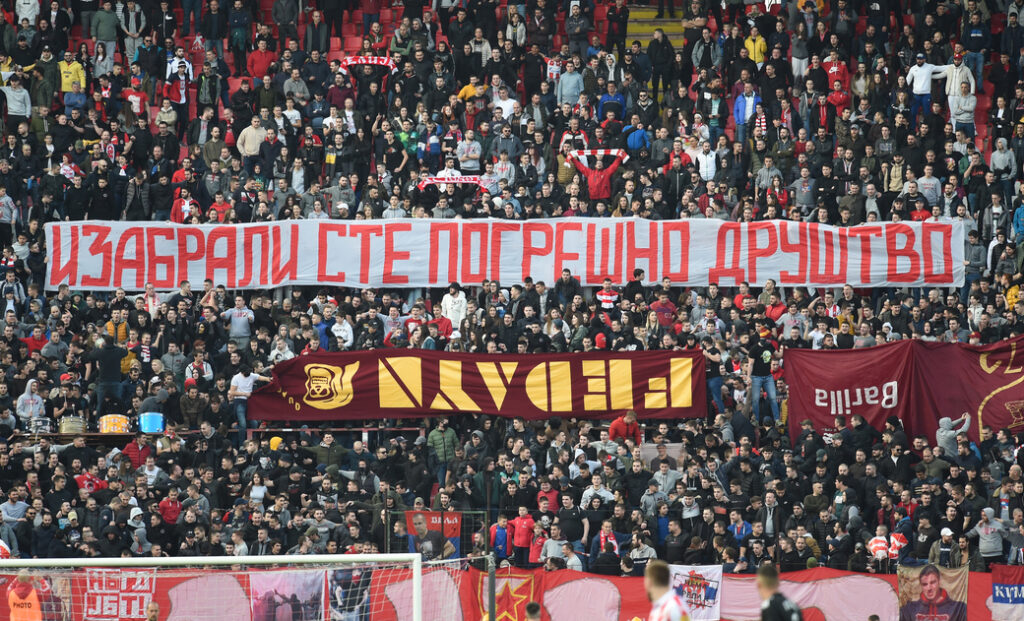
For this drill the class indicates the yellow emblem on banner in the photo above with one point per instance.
(329, 386)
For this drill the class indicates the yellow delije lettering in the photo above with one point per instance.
(672, 391)
(680, 377)
(400, 382)
(656, 398)
(609, 385)
(450, 394)
(497, 377)
(549, 386)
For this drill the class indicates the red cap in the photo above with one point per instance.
(190, 382)
(958, 56)
(65, 378)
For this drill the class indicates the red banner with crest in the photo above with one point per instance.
(919, 382)
(416, 382)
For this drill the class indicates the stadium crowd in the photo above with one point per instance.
(810, 112)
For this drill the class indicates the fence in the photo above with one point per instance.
(409, 532)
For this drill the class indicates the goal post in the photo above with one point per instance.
(319, 587)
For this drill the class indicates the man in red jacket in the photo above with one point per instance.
(598, 178)
(259, 61)
(625, 427)
(138, 450)
(522, 534)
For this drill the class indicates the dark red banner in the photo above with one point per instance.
(414, 382)
(918, 381)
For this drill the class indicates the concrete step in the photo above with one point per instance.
(642, 12)
(648, 26)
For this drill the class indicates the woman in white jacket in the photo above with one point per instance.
(453, 304)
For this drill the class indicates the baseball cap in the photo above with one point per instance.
(920, 56)
(65, 378)
(945, 532)
(958, 56)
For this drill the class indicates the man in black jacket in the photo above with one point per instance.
(109, 356)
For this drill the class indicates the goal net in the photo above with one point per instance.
(384, 587)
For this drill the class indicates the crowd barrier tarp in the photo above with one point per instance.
(450, 594)
(105, 255)
(1007, 600)
(700, 586)
(362, 384)
(917, 381)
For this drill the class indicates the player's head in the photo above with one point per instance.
(657, 578)
(767, 580)
(533, 611)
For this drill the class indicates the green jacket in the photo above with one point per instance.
(333, 455)
(443, 443)
(105, 26)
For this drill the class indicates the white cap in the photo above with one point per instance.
(945, 532)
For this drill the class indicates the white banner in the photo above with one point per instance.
(101, 255)
(700, 586)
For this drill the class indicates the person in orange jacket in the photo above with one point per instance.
(23, 599)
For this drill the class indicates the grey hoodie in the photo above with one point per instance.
(1003, 162)
(945, 435)
(989, 534)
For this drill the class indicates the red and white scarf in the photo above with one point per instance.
(605, 538)
(578, 153)
(474, 179)
(380, 61)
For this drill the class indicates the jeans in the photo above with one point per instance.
(969, 278)
(217, 45)
(715, 391)
(919, 103)
(368, 20)
(442, 473)
(968, 128)
(975, 61)
(250, 161)
(241, 407)
(104, 390)
(191, 8)
(766, 382)
(741, 131)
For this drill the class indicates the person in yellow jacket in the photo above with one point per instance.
(71, 71)
(23, 600)
(757, 46)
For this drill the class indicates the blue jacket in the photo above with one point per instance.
(617, 97)
(739, 108)
(637, 138)
(1018, 223)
